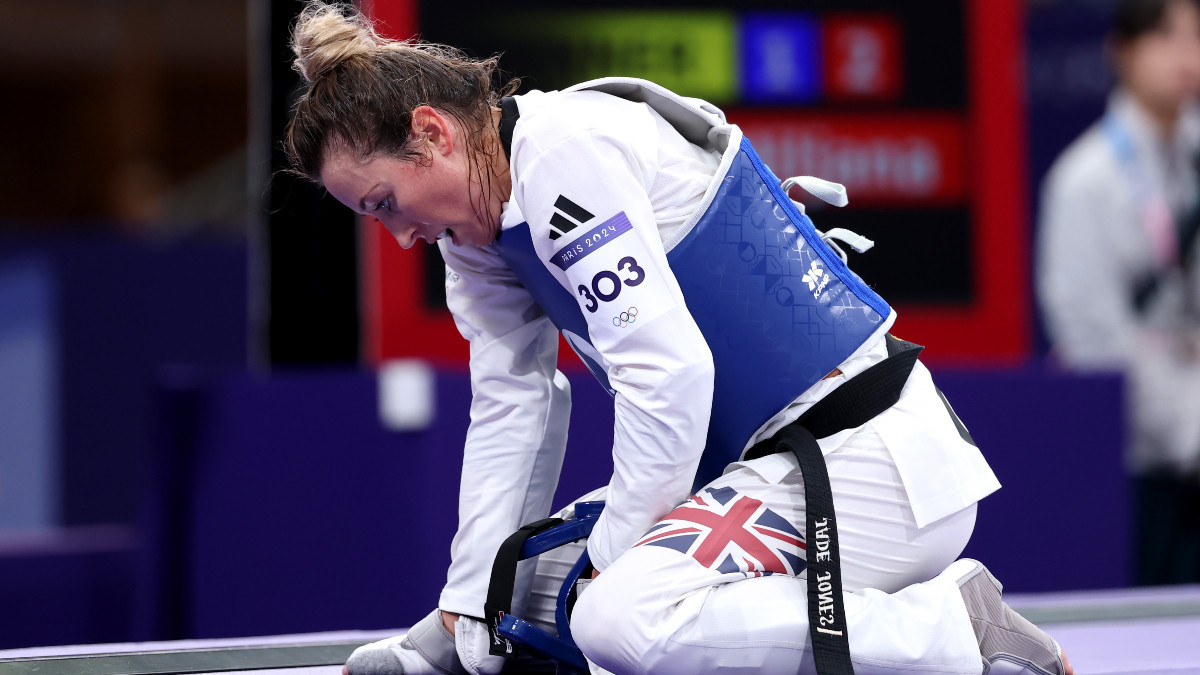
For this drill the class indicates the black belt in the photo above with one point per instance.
(509, 114)
(851, 405)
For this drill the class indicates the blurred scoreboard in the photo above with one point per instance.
(744, 56)
(913, 106)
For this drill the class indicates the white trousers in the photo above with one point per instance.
(718, 586)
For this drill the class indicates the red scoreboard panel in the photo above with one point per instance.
(914, 106)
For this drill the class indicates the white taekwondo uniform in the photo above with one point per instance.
(905, 484)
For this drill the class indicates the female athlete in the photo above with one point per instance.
(737, 347)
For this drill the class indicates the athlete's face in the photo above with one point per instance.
(1161, 68)
(418, 200)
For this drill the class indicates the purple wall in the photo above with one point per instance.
(121, 309)
(1055, 441)
(108, 314)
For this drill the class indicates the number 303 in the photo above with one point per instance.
(606, 285)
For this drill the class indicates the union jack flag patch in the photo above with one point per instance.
(732, 534)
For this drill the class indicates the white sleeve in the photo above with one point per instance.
(610, 257)
(1083, 285)
(520, 407)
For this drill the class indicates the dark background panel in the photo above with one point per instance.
(311, 251)
(920, 256)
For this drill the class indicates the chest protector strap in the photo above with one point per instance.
(851, 405)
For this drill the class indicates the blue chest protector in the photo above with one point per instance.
(777, 306)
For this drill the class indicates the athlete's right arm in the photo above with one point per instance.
(519, 411)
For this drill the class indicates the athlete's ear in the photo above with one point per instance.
(432, 130)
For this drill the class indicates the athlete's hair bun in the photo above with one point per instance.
(362, 88)
(326, 35)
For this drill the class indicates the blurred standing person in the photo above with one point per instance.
(1117, 279)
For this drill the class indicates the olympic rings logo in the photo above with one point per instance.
(625, 318)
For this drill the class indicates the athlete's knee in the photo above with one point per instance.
(621, 620)
(605, 627)
(594, 614)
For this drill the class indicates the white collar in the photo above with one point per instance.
(1144, 131)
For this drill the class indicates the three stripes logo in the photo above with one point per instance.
(575, 215)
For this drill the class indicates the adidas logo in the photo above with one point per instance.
(575, 215)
